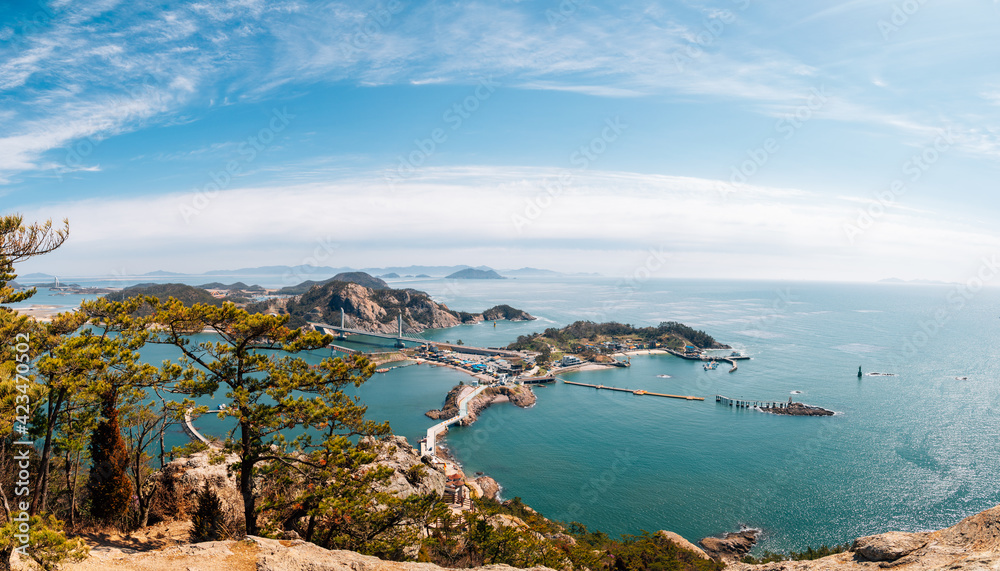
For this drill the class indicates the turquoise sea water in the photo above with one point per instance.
(919, 450)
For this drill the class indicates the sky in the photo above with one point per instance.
(851, 140)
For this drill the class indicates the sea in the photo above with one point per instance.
(917, 448)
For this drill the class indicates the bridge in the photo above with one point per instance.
(428, 446)
(399, 338)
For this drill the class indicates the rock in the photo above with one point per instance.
(683, 543)
(972, 544)
(410, 475)
(489, 486)
(731, 547)
(889, 546)
(799, 409)
(181, 480)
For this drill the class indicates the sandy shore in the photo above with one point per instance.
(643, 352)
(43, 312)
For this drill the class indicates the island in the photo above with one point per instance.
(520, 395)
(474, 274)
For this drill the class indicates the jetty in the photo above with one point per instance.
(192, 431)
(637, 392)
(741, 403)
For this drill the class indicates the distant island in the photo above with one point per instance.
(390, 275)
(474, 274)
(360, 278)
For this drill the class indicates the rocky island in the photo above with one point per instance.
(799, 409)
(519, 395)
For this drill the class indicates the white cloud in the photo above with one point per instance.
(590, 224)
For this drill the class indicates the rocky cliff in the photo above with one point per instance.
(973, 544)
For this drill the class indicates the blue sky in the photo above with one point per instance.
(799, 140)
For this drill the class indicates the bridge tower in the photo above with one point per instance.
(342, 336)
(399, 338)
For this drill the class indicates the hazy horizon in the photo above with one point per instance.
(720, 140)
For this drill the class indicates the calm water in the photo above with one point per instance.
(919, 450)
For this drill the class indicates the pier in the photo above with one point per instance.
(704, 357)
(742, 403)
(637, 392)
(192, 431)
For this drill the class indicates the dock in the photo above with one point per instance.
(637, 392)
(704, 357)
(743, 403)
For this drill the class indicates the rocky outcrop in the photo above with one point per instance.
(181, 480)
(257, 553)
(520, 395)
(799, 409)
(409, 474)
(450, 407)
(731, 547)
(499, 312)
(972, 544)
(683, 543)
(489, 486)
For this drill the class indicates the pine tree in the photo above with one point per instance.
(208, 523)
(109, 485)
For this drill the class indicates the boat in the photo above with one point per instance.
(664, 376)
(961, 378)
(881, 374)
(711, 366)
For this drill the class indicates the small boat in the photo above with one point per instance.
(881, 374)
(664, 376)
(711, 366)
(961, 378)
(381, 370)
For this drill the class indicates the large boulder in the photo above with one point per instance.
(889, 546)
(181, 480)
(683, 543)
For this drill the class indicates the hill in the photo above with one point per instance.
(474, 274)
(238, 286)
(190, 295)
(360, 278)
(587, 336)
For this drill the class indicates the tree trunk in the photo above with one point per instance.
(246, 480)
(40, 496)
